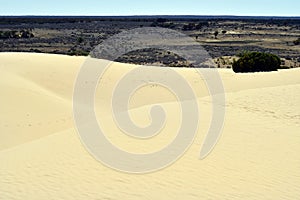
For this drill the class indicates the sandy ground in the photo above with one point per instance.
(41, 156)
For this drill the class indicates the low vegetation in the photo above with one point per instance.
(16, 34)
(256, 62)
(78, 53)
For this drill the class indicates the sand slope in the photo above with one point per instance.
(41, 156)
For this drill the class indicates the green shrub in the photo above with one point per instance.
(256, 62)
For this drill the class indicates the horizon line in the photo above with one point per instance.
(155, 15)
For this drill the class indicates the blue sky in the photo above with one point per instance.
(153, 7)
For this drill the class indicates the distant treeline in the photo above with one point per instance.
(82, 19)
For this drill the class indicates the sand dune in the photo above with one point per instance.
(41, 156)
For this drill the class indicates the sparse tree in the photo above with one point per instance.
(79, 40)
(216, 33)
(297, 42)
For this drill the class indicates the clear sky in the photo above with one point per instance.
(152, 7)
